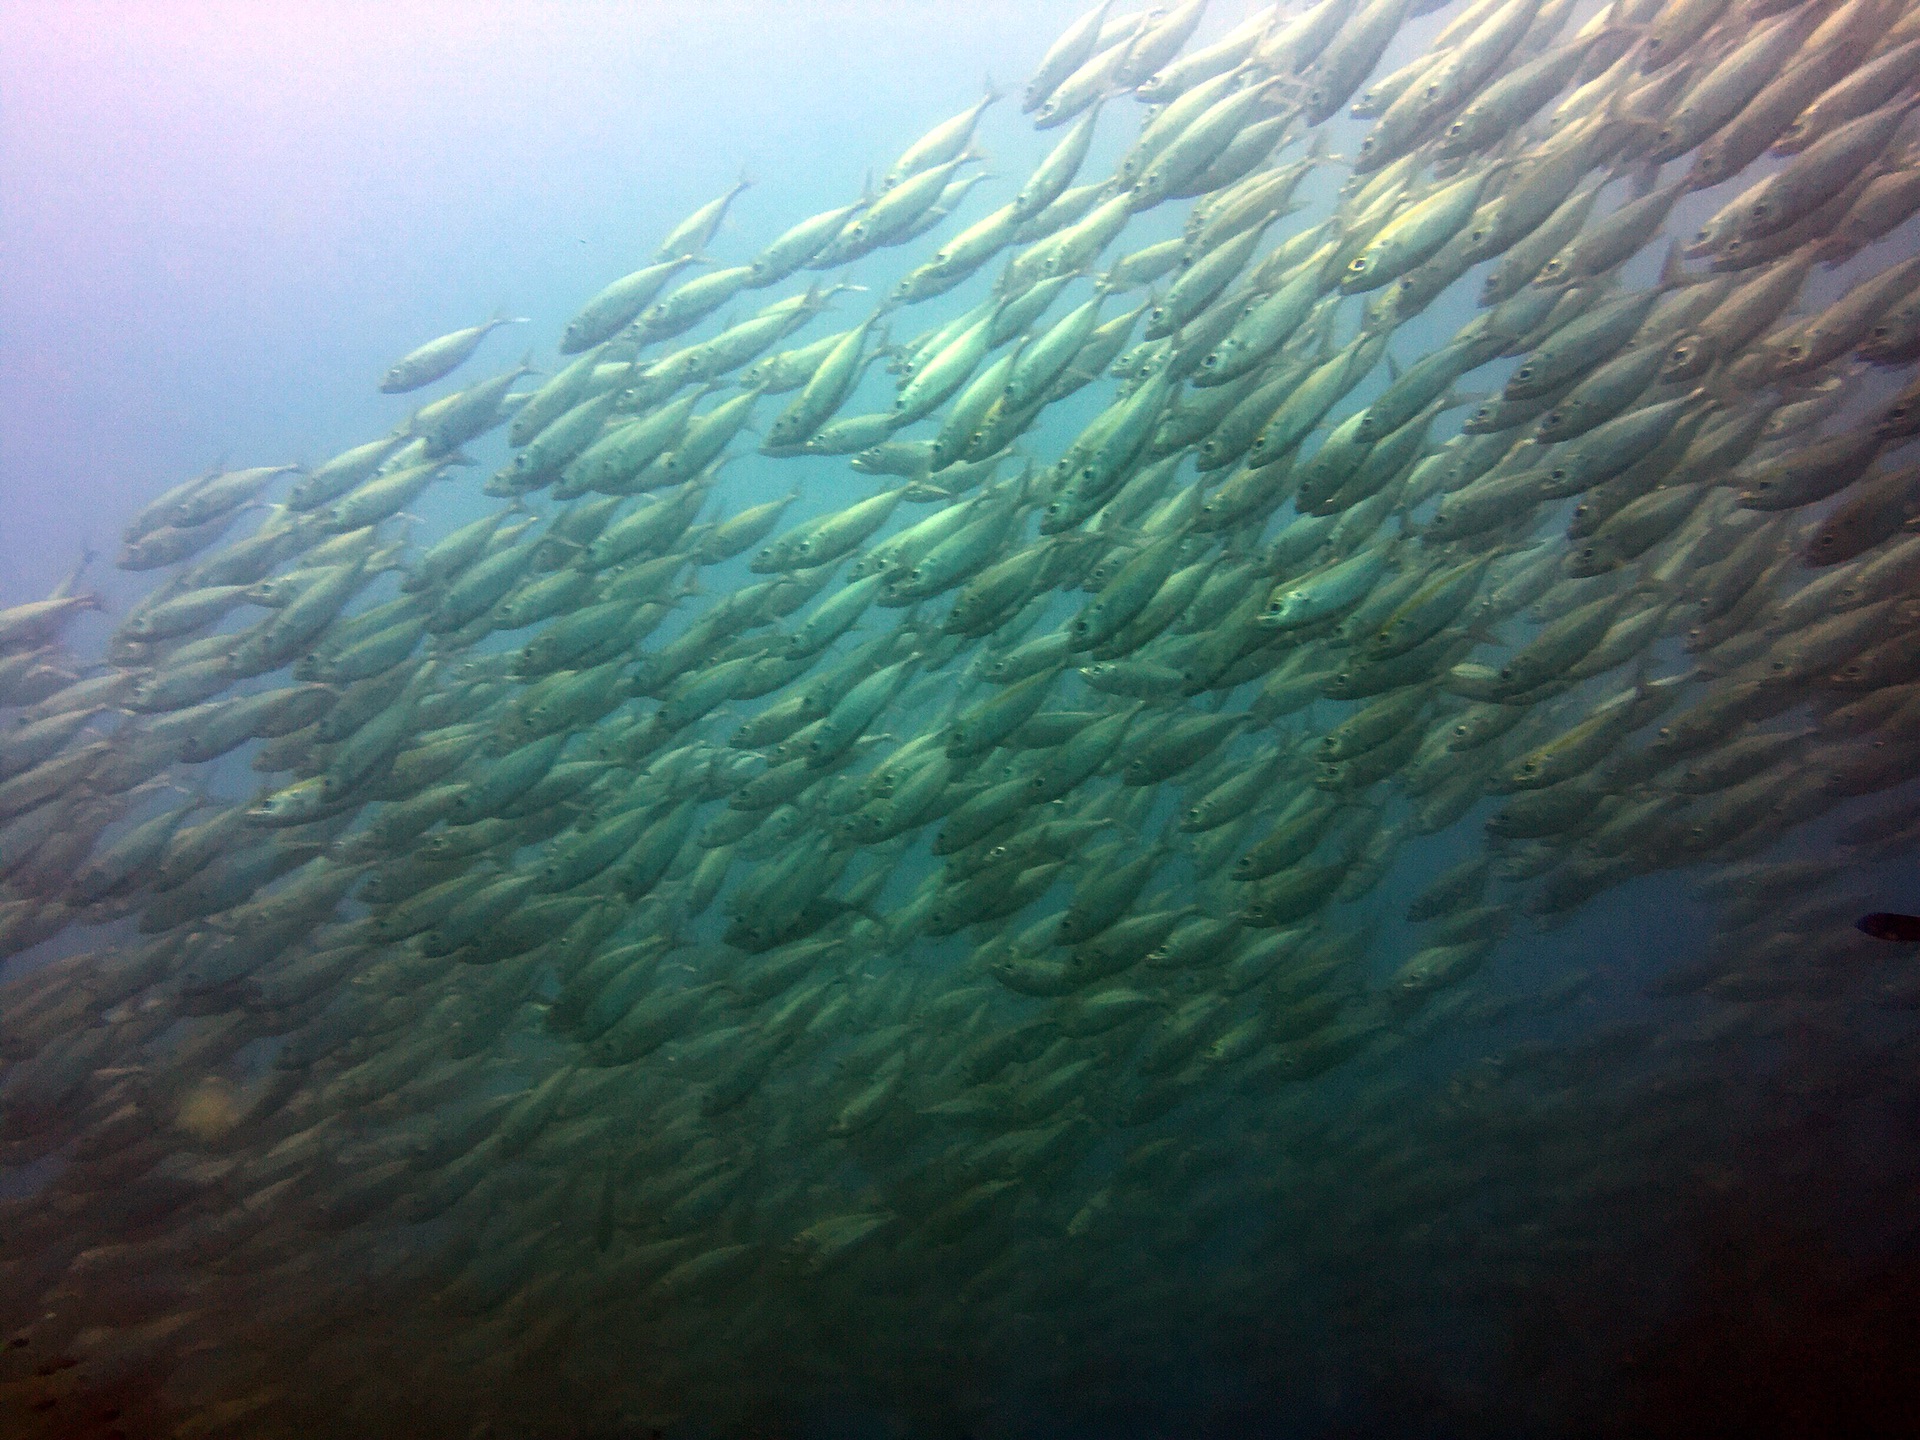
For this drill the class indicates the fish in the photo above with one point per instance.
(1886, 925)
(439, 358)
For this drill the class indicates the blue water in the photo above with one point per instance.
(215, 235)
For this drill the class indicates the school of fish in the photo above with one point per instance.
(641, 959)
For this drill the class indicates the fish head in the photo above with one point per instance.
(1416, 981)
(1689, 356)
(1215, 360)
(1530, 771)
(1458, 136)
(1484, 225)
(1195, 818)
(294, 800)
(1483, 416)
(1149, 190)
(1850, 675)
(1709, 165)
(1728, 253)
(1899, 418)
(1880, 337)
(1825, 546)
(1706, 239)
(1556, 271)
(1593, 558)
(1755, 217)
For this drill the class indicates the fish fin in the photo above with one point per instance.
(64, 590)
(1673, 273)
(1618, 111)
(1294, 87)
(1724, 389)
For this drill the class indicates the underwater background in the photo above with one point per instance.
(1649, 1168)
